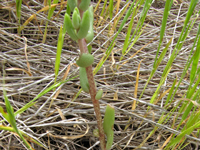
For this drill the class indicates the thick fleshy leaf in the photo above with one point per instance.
(99, 94)
(108, 123)
(84, 80)
(90, 34)
(84, 4)
(85, 25)
(76, 19)
(68, 27)
(85, 60)
(72, 4)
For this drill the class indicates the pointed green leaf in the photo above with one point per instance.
(59, 51)
(72, 4)
(90, 34)
(76, 19)
(108, 124)
(85, 60)
(84, 4)
(68, 27)
(5, 115)
(84, 80)
(99, 94)
(85, 25)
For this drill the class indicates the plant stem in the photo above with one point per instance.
(84, 49)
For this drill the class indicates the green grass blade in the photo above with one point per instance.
(109, 50)
(25, 107)
(180, 42)
(170, 92)
(191, 89)
(10, 111)
(111, 9)
(18, 12)
(5, 115)
(103, 9)
(188, 63)
(58, 54)
(139, 26)
(194, 117)
(196, 57)
(162, 30)
(121, 14)
(11, 129)
(50, 13)
(164, 76)
(18, 7)
(182, 134)
(156, 66)
(164, 20)
(126, 42)
(49, 2)
(193, 4)
(12, 120)
(185, 30)
(189, 107)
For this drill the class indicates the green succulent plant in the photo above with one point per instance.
(81, 30)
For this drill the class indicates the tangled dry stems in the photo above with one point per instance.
(72, 121)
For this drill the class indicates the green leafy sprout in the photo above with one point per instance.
(81, 29)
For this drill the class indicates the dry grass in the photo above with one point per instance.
(62, 126)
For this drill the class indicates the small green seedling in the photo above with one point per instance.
(108, 124)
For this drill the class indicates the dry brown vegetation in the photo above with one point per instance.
(69, 122)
